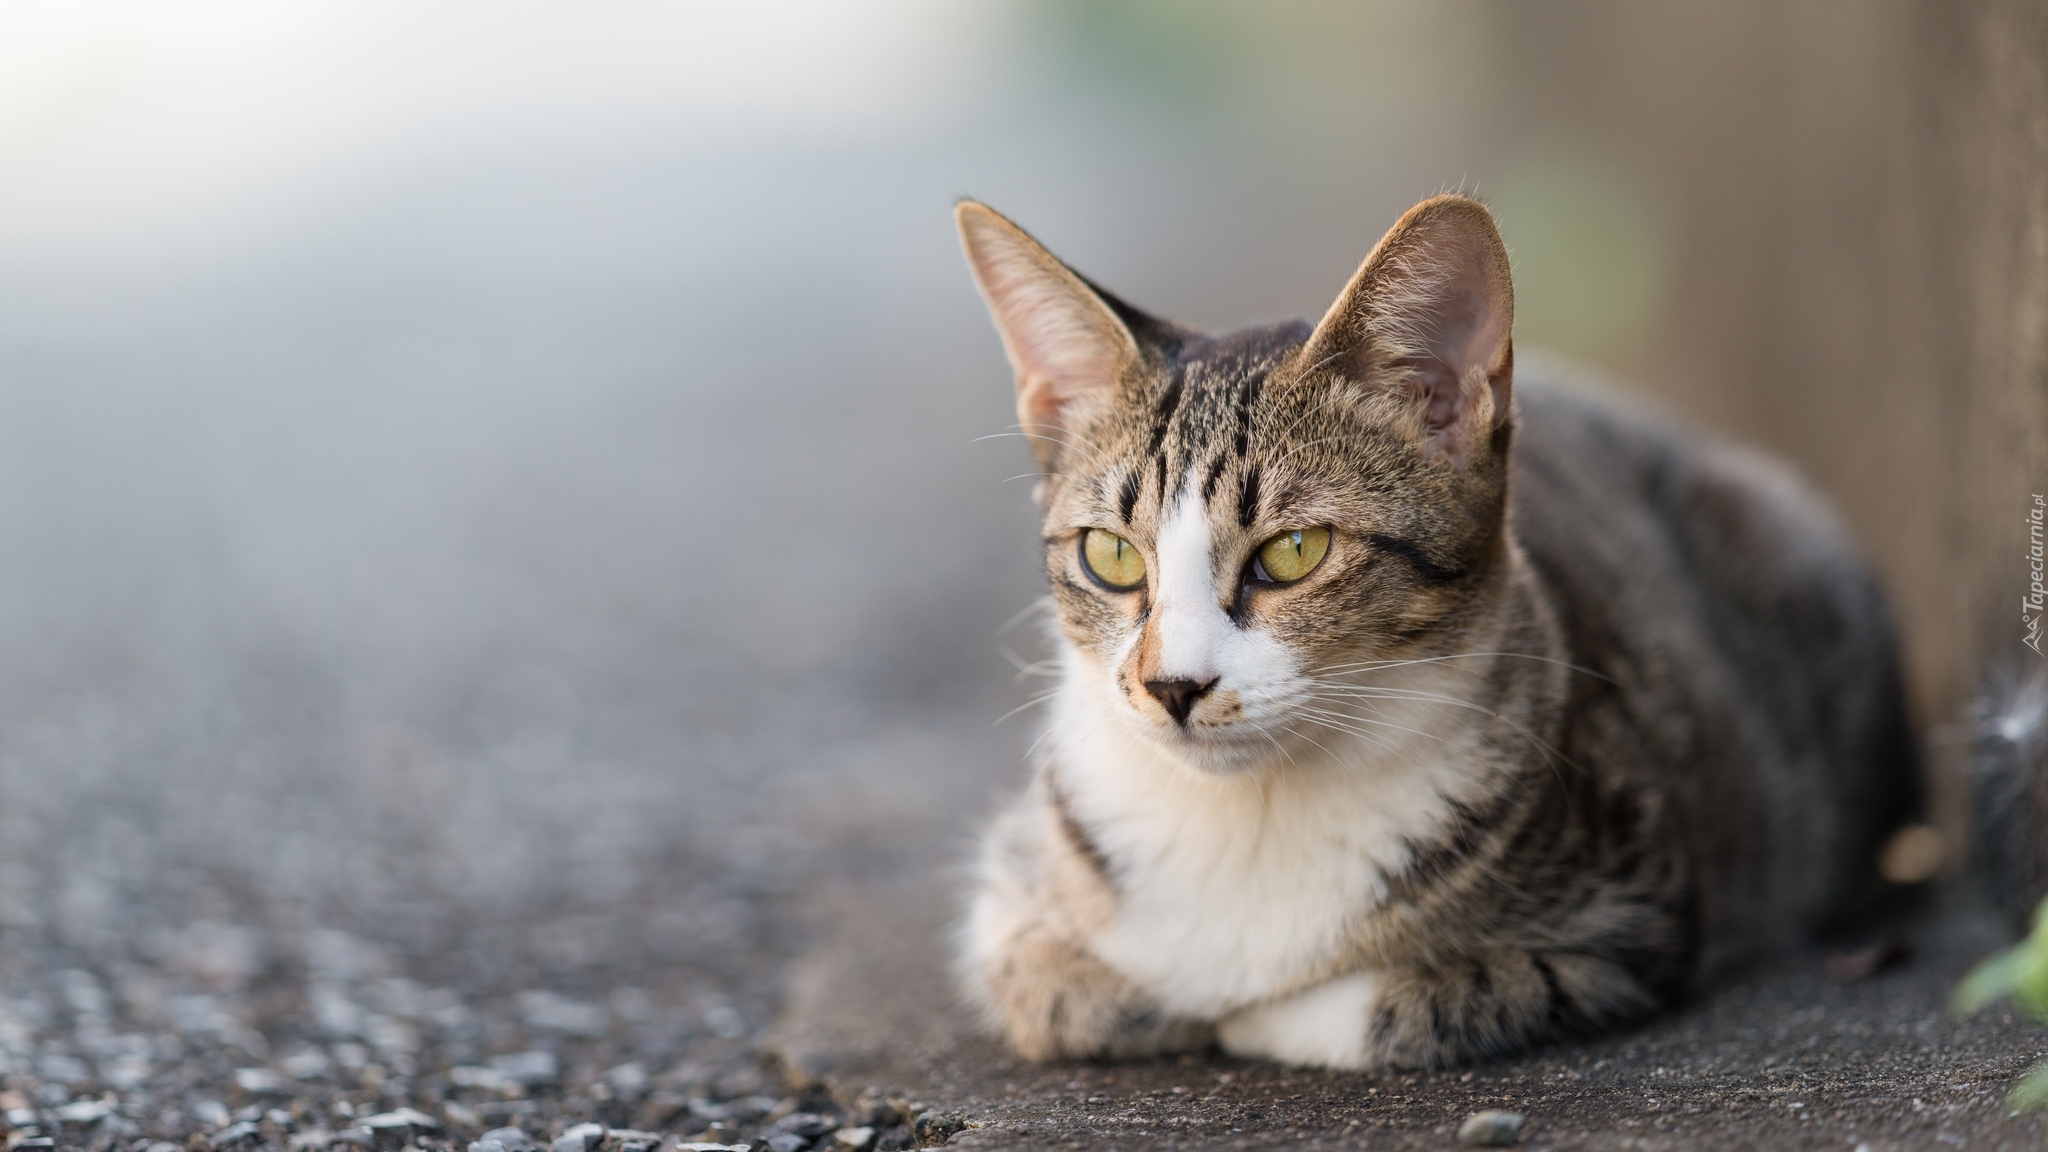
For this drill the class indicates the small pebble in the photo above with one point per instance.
(83, 1112)
(262, 1081)
(938, 1127)
(531, 1068)
(236, 1133)
(309, 1064)
(718, 1132)
(808, 1125)
(1491, 1129)
(580, 1138)
(854, 1139)
(399, 1118)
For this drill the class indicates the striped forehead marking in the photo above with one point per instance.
(1201, 422)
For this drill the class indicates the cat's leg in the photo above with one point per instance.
(1415, 1017)
(1024, 958)
(1054, 999)
(1323, 1027)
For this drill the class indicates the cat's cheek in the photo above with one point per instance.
(1323, 1027)
(1260, 670)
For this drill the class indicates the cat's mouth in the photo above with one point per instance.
(1216, 735)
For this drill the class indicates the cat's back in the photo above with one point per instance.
(1742, 660)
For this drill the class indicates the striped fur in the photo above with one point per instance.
(1576, 710)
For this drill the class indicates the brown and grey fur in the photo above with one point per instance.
(1658, 688)
(2009, 762)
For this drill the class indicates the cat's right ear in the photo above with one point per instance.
(1069, 349)
(1425, 328)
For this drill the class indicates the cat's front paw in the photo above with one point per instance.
(1053, 999)
(1323, 1027)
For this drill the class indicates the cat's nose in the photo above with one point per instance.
(1179, 696)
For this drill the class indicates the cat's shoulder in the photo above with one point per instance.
(1590, 453)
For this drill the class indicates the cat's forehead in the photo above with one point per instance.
(1212, 388)
(1219, 373)
(1215, 413)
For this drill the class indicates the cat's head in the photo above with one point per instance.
(1233, 522)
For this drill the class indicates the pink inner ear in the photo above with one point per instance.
(1467, 335)
(1437, 383)
(1466, 332)
(1066, 347)
(1429, 315)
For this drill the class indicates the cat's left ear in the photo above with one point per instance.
(1426, 328)
(1068, 345)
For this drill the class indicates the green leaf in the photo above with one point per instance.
(1994, 979)
(2030, 986)
(2031, 1092)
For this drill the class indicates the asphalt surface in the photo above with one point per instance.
(1788, 1057)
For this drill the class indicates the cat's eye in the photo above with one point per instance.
(1112, 559)
(1290, 555)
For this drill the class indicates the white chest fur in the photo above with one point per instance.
(1235, 889)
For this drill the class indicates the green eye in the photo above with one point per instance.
(1112, 559)
(1291, 555)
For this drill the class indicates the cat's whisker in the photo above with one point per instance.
(1383, 665)
(1362, 693)
(1290, 730)
(1041, 604)
(1330, 359)
(1091, 445)
(1093, 454)
(1373, 738)
(1024, 669)
(1034, 702)
(1388, 724)
(1031, 749)
(1299, 448)
(1311, 412)
(1417, 696)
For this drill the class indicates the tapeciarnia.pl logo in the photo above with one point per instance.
(2036, 598)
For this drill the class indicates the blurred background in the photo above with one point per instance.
(495, 500)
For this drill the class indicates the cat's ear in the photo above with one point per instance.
(1425, 328)
(1068, 346)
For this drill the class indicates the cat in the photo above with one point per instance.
(2009, 771)
(1410, 711)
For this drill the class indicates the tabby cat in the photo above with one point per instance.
(1410, 712)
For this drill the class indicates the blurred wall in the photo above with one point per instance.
(1856, 202)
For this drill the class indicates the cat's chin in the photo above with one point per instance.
(1231, 751)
